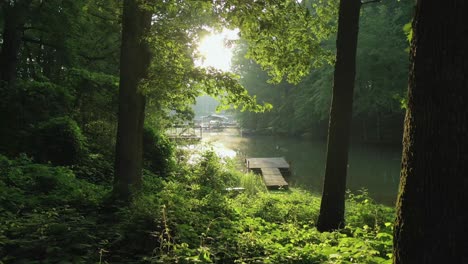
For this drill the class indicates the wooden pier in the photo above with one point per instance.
(272, 170)
(185, 133)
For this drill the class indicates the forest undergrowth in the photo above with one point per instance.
(51, 214)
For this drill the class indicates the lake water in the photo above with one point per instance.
(375, 168)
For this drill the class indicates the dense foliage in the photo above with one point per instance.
(64, 91)
(49, 216)
(381, 78)
(158, 152)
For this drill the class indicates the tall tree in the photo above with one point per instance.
(332, 205)
(15, 13)
(432, 204)
(171, 80)
(134, 62)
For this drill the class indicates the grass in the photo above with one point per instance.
(252, 183)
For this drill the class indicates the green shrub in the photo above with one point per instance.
(158, 152)
(362, 210)
(95, 168)
(49, 235)
(214, 174)
(43, 186)
(295, 206)
(46, 214)
(25, 105)
(58, 140)
(100, 136)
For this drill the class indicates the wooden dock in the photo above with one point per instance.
(185, 133)
(272, 170)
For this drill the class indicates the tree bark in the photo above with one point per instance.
(14, 18)
(333, 197)
(134, 63)
(432, 211)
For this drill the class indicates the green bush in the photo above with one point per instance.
(43, 186)
(158, 152)
(214, 174)
(25, 105)
(46, 214)
(101, 136)
(58, 140)
(362, 210)
(95, 168)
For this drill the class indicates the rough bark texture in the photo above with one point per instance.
(432, 207)
(134, 63)
(333, 198)
(14, 18)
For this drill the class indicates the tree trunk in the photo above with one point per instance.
(432, 211)
(134, 63)
(14, 19)
(333, 197)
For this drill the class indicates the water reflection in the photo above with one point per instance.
(375, 168)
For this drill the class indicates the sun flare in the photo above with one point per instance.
(215, 51)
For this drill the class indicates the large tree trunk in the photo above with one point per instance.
(432, 207)
(14, 18)
(333, 197)
(134, 63)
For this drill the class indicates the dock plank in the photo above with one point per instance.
(258, 163)
(270, 171)
(273, 178)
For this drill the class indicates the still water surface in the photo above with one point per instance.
(375, 168)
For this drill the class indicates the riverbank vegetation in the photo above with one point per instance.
(54, 214)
